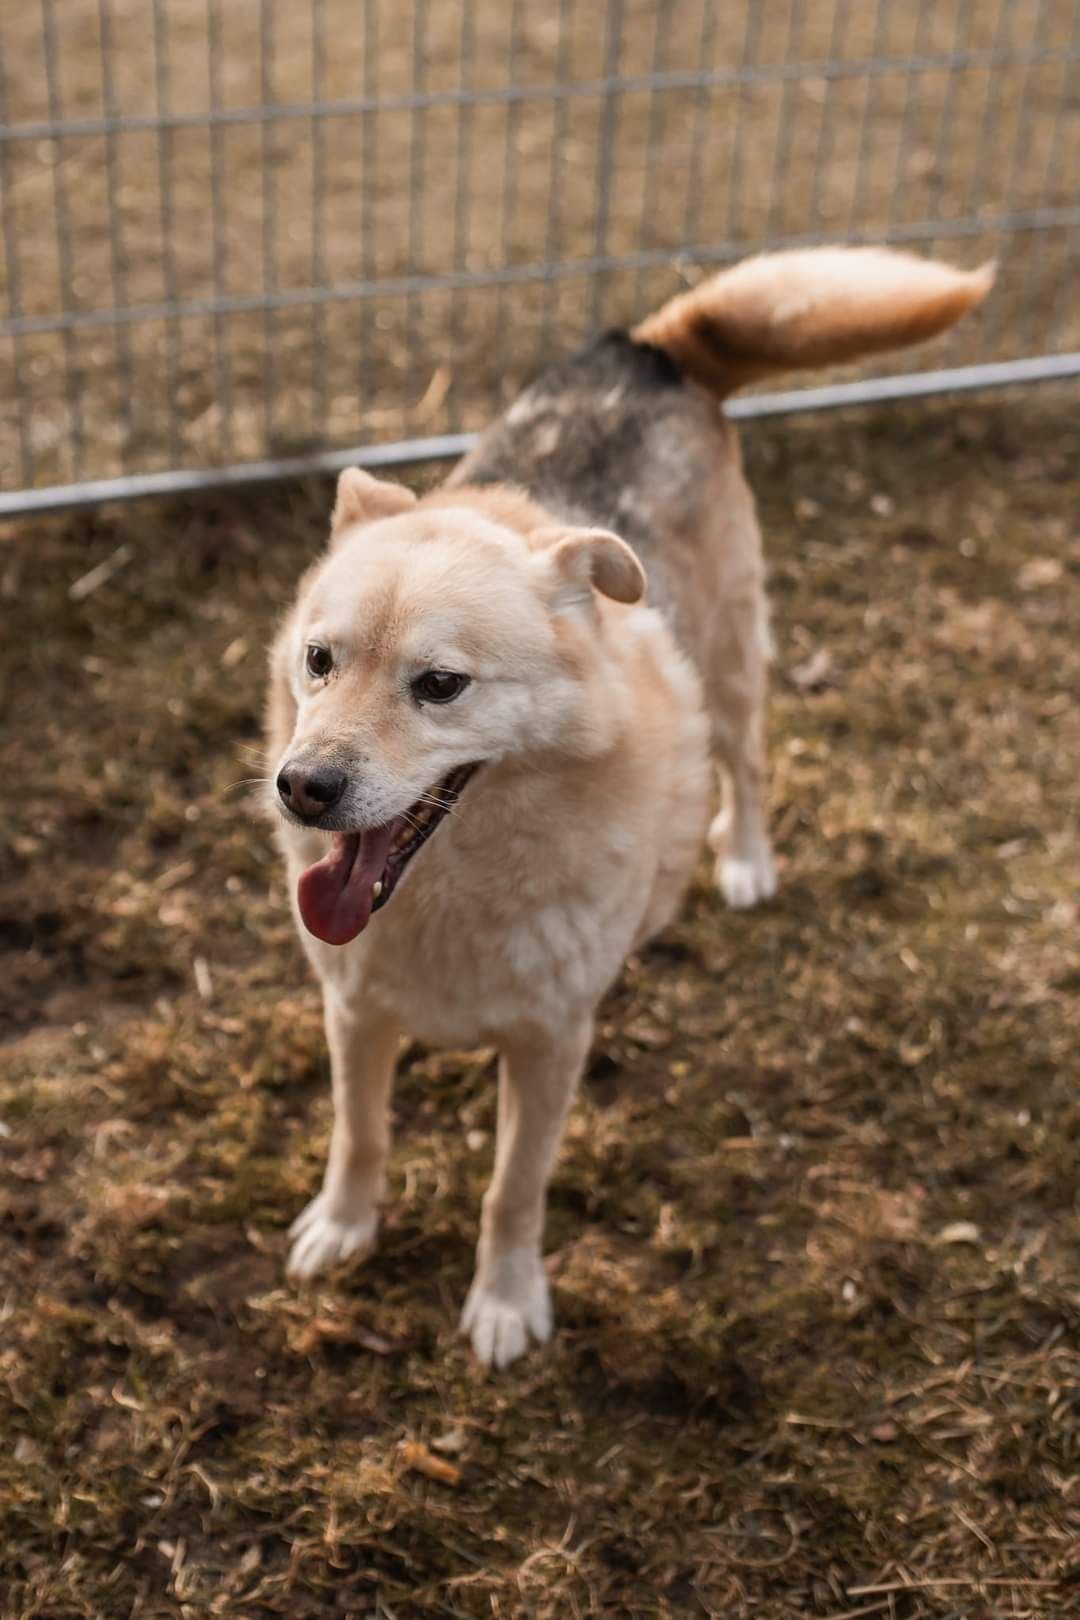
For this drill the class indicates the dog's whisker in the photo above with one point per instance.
(245, 782)
(440, 804)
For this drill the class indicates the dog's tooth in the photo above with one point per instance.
(377, 890)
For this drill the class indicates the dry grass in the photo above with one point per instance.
(444, 191)
(813, 1236)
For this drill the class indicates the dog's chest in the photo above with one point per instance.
(472, 948)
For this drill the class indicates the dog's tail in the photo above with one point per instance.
(809, 307)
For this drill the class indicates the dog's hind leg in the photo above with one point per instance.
(739, 835)
(509, 1300)
(342, 1220)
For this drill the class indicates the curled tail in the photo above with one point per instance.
(809, 307)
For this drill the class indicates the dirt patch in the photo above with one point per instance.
(813, 1234)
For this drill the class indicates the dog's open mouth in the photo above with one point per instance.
(338, 894)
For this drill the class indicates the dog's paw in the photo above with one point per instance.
(322, 1239)
(501, 1321)
(744, 883)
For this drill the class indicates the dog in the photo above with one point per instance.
(496, 759)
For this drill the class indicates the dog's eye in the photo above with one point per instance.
(439, 686)
(319, 662)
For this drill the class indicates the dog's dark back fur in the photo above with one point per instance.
(606, 438)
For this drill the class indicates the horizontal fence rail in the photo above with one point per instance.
(246, 241)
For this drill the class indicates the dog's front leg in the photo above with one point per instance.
(509, 1297)
(343, 1219)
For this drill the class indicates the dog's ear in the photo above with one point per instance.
(581, 560)
(362, 499)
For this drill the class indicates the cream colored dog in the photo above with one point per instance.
(483, 727)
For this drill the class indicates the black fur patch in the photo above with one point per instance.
(612, 438)
(617, 352)
(587, 431)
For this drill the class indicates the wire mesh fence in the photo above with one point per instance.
(235, 237)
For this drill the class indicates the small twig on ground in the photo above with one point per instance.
(948, 1580)
(87, 584)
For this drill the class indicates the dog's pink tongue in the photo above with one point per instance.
(335, 895)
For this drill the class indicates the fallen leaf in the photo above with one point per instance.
(959, 1232)
(643, 1032)
(235, 653)
(320, 1330)
(373, 1342)
(452, 1441)
(415, 1455)
(1039, 572)
(814, 672)
(336, 1330)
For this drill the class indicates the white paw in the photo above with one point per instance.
(501, 1322)
(744, 882)
(322, 1239)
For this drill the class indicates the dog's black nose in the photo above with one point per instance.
(309, 793)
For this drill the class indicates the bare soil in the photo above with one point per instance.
(814, 1233)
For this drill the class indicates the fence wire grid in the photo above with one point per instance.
(240, 240)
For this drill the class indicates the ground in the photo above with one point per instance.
(813, 1234)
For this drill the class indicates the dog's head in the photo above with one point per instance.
(432, 640)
